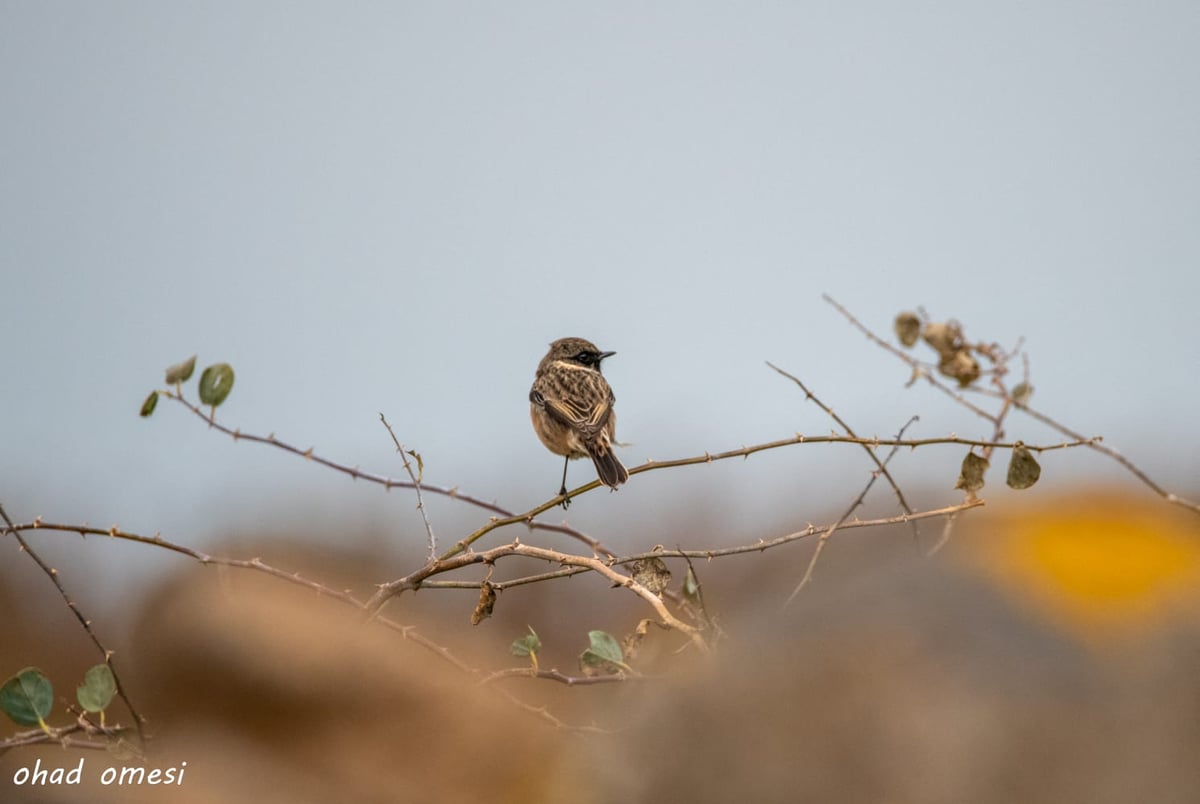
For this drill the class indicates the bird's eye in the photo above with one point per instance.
(586, 358)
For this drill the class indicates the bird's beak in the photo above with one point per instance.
(604, 355)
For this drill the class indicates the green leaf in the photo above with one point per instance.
(150, 404)
(98, 688)
(526, 645)
(215, 384)
(970, 477)
(181, 372)
(604, 655)
(1023, 468)
(27, 697)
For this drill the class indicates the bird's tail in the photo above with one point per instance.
(608, 467)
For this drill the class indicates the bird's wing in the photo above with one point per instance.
(585, 410)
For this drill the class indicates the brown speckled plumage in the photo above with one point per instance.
(571, 405)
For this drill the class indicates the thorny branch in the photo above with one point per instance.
(921, 371)
(812, 562)
(52, 574)
(602, 561)
(870, 452)
(416, 482)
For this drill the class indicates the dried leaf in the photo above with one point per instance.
(970, 478)
(181, 372)
(487, 601)
(1023, 468)
(633, 642)
(945, 338)
(960, 366)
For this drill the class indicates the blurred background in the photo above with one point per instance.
(395, 207)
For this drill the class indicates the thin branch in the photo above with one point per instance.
(387, 482)
(1094, 443)
(414, 581)
(544, 713)
(555, 675)
(528, 518)
(416, 481)
(904, 506)
(1116, 456)
(743, 452)
(52, 574)
(919, 369)
(419, 578)
(408, 632)
(760, 546)
(812, 562)
(947, 529)
(257, 564)
(64, 736)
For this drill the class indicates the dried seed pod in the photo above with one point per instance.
(960, 366)
(908, 328)
(487, 601)
(946, 339)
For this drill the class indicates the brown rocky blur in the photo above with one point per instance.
(1048, 655)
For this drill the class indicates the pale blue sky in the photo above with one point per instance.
(394, 207)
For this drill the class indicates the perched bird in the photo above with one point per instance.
(571, 405)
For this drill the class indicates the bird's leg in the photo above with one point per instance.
(566, 503)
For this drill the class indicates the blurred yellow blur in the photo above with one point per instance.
(1105, 565)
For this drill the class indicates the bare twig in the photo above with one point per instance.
(1118, 457)
(257, 564)
(556, 675)
(65, 736)
(387, 482)
(947, 529)
(881, 468)
(416, 481)
(743, 452)
(812, 562)
(414, 581)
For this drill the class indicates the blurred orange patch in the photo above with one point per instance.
(1100, 565)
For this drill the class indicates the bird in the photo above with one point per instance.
(571, 406)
